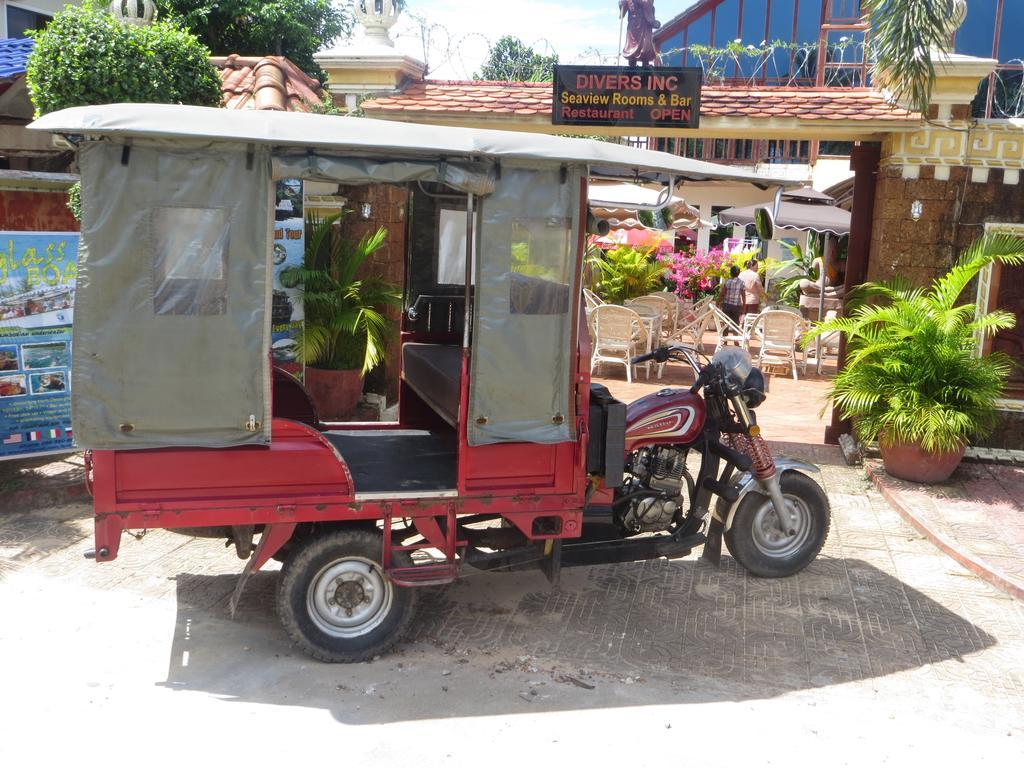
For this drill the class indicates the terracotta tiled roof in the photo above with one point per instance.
(266, 82)
(466, 97)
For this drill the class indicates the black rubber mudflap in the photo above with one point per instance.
(551, 565)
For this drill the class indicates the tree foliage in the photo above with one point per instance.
(511, 59)
(912, 372)
(293, 28)
(903, 35)
(86, 56)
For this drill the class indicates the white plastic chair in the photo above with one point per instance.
(671, 321)
(827, 343)
(619, 335)
(728, 330)
(693, 320)
(778, 330)
(592, 299)
(653, 314)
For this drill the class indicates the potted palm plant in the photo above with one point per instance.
(914, 380)
(345, 328)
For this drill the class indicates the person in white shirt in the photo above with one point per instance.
(753, 291)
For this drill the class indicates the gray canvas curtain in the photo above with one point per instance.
(172, 296)
(522, 333)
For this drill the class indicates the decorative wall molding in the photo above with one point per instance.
(983, 144)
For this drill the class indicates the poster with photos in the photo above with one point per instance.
(38, 274)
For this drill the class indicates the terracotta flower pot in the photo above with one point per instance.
(335, 393)
(908, 461)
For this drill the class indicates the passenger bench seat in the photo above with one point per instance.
(433, 371)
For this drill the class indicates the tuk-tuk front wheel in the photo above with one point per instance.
(336, 602)
(769, 550)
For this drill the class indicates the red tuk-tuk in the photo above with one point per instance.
(504, 456)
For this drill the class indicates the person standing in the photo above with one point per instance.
(731, 295)
(753, 291)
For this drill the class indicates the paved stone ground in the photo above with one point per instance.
(977, 517)
(42, 480)
(883, 650)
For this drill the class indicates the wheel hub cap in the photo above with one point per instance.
(777, 540)
(349, 597)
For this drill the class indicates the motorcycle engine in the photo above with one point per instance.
(661, 470)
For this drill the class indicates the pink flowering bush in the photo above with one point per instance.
(696, 273)
(692, 272)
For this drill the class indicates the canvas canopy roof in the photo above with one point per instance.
(619, 203)
(628, 196)
(804, 209)
(372, 137)
(175, 267)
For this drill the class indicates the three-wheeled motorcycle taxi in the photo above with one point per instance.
(504, 456)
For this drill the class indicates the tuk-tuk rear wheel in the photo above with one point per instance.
(336, 602)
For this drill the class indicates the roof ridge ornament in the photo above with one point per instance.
(135, 12)
(957, 15)
(377, 17)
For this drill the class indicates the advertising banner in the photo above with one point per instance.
(289, 246)
(648, 97)
(38, 271)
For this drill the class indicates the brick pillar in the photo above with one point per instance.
(864, 163)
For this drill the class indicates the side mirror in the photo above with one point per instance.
(764, 224)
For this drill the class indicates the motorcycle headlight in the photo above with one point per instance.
(753, 388)
(740, 371)
(735, 362)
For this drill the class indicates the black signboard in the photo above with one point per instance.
(644, 97)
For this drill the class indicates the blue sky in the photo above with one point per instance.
(584, 31)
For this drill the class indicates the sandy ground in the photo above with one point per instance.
(884, 652)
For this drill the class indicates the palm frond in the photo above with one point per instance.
(1007, 249)
(903, 34)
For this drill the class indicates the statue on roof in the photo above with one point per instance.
(639, 31)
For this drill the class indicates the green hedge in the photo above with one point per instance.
(85, 56)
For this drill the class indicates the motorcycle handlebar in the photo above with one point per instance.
(699, 383)
(663, 354)
(659, 355)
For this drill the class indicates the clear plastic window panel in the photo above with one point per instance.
(539, 273)
(190, 247)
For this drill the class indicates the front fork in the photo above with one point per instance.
(753, 445)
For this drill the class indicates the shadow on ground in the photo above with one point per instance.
(26, 538)
(648, 633)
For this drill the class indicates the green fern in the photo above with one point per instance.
(912, 371)
(345, 327)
